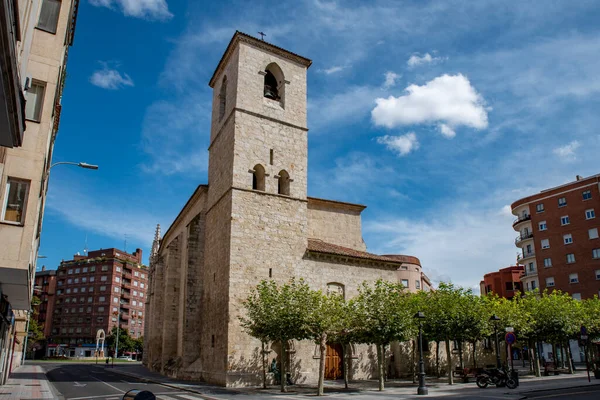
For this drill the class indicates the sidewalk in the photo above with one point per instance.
(360, 389)
(27, 382)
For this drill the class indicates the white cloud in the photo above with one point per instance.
(447, 99)
(400, 144)
(446, 131)
(332, 70)
(567, 152)
(147, 9)
(112, 79)
(390, 79)
(415, 60)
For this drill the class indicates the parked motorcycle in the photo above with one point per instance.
(498, 377)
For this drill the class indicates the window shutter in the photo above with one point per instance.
(49, 15)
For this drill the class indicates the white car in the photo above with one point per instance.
(126, 358)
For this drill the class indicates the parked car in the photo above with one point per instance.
(126, 358)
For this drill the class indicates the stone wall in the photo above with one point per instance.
(335, 224)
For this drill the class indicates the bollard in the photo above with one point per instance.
(136, 394)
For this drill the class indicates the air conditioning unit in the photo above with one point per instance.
(28, 82)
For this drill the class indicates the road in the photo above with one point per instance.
(83, 382)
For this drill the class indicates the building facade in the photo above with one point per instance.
(254, 221)
(94, 292)
(45, 289)
(35, 36)
(505, 282)
(558, 238)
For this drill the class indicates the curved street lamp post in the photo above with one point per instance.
(422, 390)
(494, 318)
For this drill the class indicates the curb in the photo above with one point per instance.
(561, 388)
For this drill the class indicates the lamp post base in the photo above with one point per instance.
(422, 390)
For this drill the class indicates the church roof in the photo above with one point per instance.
(319, 246)
(335, 203)
(243, 37)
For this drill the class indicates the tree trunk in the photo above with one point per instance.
(449, 355)
(323, 350)
(264, 366)
(283, 359)
(569, 358)
(437, 358)
(413, 364)
(536, 360)
(346, 364)
(554, 355)
(474, 354)
(380, 365)
(460, 355)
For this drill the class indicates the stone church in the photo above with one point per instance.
(254, 221)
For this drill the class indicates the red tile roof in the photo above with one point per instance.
(319, 246)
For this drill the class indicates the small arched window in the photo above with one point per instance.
(334, 288)
(223, 98)
(283, 183)
(274, 87)
(258, 178)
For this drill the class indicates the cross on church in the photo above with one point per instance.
(262, 35)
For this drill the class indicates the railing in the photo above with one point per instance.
(521, 257)
(520, 238)
(521, 219)
(530, 273)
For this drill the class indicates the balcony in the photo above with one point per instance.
(521, 219)
(521, 238)
(529, 274)
(522, 257)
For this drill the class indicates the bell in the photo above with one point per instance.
(271, 92)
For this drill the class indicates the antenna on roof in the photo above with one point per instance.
(262, 36)
(85, 249)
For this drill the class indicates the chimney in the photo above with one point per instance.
(578, 177)
(43, 268)
(138, 255)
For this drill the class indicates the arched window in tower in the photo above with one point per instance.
(283, 183)
(223, 98)
(274, 87)
(334, 288)
(258, 178)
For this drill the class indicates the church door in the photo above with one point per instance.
(334, 361)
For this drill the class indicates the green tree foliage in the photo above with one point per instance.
(35, 332)
(126, 342)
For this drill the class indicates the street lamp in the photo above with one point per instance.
(118, 313)
(495, 319)
(79, 164)
(422, 390)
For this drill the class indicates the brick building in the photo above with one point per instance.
(505, 282)
(558, 236)
(94, 291)
(45, 289)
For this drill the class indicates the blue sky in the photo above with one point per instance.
(435, 114)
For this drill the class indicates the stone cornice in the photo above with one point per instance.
(261, 44)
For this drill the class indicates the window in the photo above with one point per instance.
(509, 286)
(143, 276)
(116, 300)
(76, 290)
(593, 233)
(142, 294)
(35, 98)
(573, 278)
(76, 280)
(568, 238)
(587, 194)
(69, 280)
(68, 291)
(103, 278)
(102, 288)
(223, 98)
(117, 279)
(547, 262)
(258, 178)
(70, 272)
(542, 225)
(598, 274)
(562, 202)
(135, 293)
(540, 207)
(596, 253)
(545, 243)
(100, 309)
(100, 319)
(90, 299)
(92, 279)
(105, 268)
(15, 201)
(92, 269)
(550, 281)
(417, 284)
(283, 183)
(118, 269)
(116, 289)
(83, 280)
(570, 258)
(271, 90)
(405, 283)
(134, 303)
(136, 273)
(565, 220)
(85, 270)
(590, 214)
(576, 296)
(135, 283)
(142, 285)
(49, 15)
(77, 270)
(531, 267)
(139, 313)
(101, 299)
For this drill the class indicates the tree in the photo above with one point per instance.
(126, 342)
(381, 315)
(279, 313)
(35, 332)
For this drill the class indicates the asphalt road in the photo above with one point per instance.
(83, 382)
(581, 393)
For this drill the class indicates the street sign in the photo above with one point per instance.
(583, 331)
(510, 329)
(510, 338)
(584, 337)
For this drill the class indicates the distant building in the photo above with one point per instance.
(95, 291)
(35, 38)
(45, 290)
(505, 282)
(558, 238)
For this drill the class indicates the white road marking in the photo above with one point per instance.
(134, 383)
(187, 396)
(77, 384)
(107, 384)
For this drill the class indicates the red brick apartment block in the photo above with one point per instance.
(93, 291)
(558, 235)
(45, 289)
(505, 282)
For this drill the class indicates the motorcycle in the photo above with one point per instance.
(498, 377)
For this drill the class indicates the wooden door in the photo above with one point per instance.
(334, 361)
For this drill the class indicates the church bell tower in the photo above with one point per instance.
(257, 203)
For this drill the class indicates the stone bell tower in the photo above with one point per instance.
(256, 210)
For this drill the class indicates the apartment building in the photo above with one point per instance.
(94, 292)
(35, 37)
(558, 238)
(505, 282)
(45, 289)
